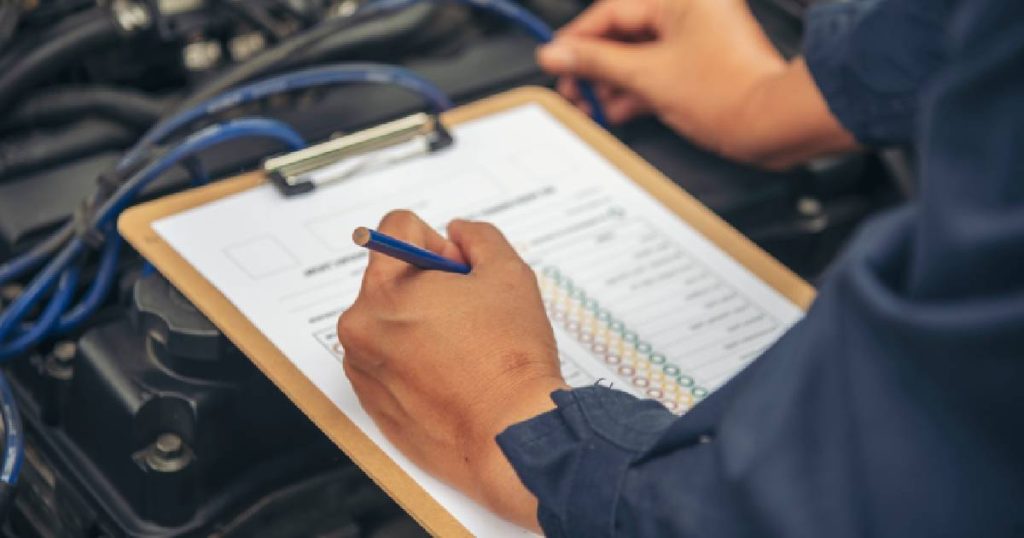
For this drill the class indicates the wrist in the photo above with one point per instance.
(498, 486)
(746, 129)
(511, 405)
(783, 120)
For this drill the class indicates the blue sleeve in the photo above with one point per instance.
(871, 58)
(894, 409)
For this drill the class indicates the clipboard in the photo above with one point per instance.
(136, 226)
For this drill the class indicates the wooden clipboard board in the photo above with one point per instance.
(136, 226)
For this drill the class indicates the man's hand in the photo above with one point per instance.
(706, 69)
(444, 362)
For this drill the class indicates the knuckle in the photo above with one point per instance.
(350, 330)
(526, 279)
(522, 271)
(358, 376)
(375, 277)
(398, 219)
(488, 231)
(518, 269)
(490, 228)
(351, 373)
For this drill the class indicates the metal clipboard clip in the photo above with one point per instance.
(345, 156)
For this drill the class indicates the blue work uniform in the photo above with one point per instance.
(895, 408)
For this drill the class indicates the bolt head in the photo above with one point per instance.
(131, 16)
(64, 351)
(809, 207)
(201, 55)
(168, 454)
(169, 445)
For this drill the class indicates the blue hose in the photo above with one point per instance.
(32, 259)
(196, 143)
(11, 317)
(58, 303)
(101, 283)
(307, 78)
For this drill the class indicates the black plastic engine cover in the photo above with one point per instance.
(164, 423)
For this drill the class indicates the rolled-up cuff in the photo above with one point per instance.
(574, 458)
(860, 72)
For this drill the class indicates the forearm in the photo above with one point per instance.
(784, 121)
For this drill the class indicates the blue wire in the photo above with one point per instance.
(28, 261)
(518, 15)
(355, 73)
(198, 172)
(321, 76)
(105, 273)
(58, 303)
(14, 435)
(19, 266)
(13, 314)
(307, 78)
(194, 144)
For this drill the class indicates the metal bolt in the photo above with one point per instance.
(244, 46)
(169, 445)
(64, 351)
(168, 454)
(169, 8)
(809, 207)
(202, 55)
(814, 213)
(344, 9)
(131, 16)
(59, 363)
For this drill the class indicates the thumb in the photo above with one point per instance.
(597, 59)
(481, 243)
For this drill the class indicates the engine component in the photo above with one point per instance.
(154, 424)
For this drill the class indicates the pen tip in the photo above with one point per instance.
(361, 236)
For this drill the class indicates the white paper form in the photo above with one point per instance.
(638, 299)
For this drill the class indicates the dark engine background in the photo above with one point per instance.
(148, 422)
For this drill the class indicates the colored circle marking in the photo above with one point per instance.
(608, 337)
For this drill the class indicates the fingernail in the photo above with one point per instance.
(557, 57)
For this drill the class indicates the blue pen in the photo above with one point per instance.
(422, 258)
